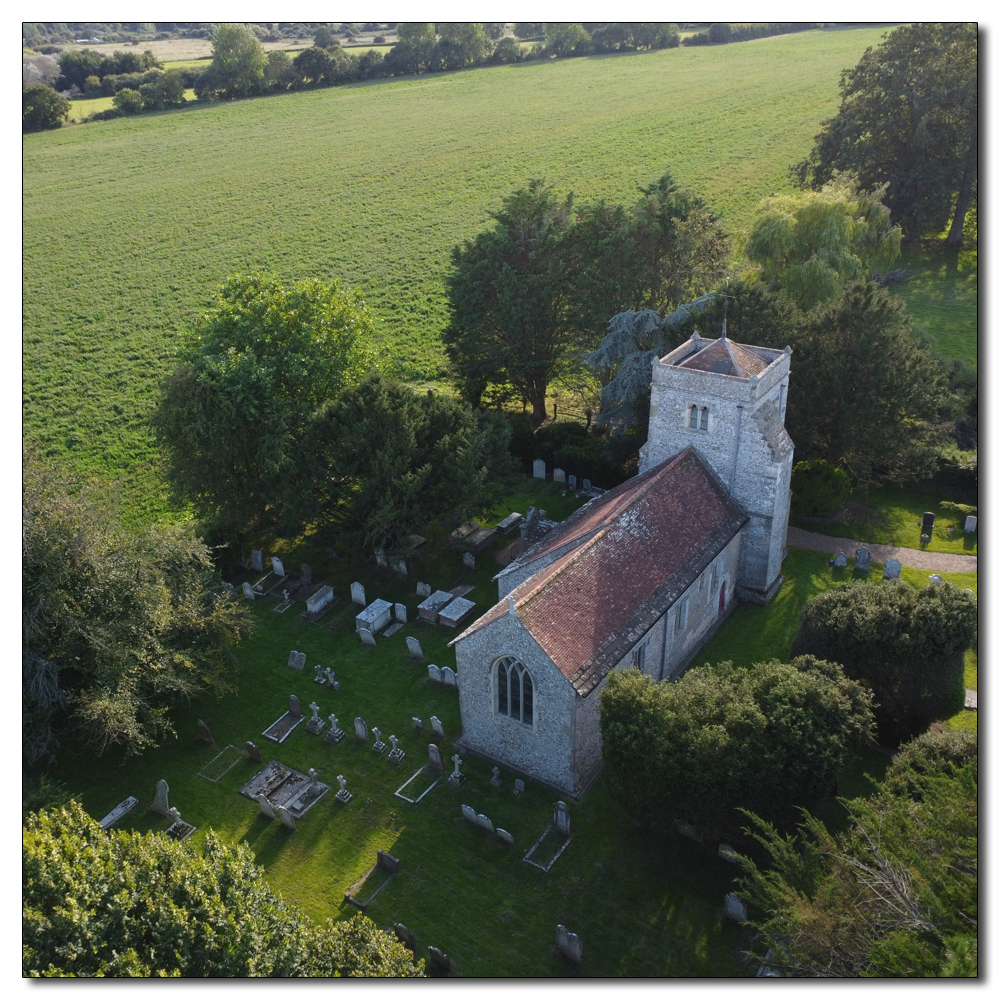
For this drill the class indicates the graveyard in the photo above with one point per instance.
(336, 764)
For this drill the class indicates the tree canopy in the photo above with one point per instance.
(42, 108)
(238, 61)
(118, 903)
(908, 119)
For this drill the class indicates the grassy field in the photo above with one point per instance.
(85, 106)
(130, 225)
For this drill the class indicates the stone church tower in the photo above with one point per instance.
(727, 401)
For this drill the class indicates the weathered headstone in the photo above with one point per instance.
(496, 781)
(436, 726)
(294, 708)
(571, 482)
(405, 937)
(839, 560)
(893, 567)
(229, 588)
(315, 725)
(257, 560)
(278, 566)
(379, 745)
(468, 560)
(297, 660)
(863, 560)
(286, 818)
(559, 475)
(320, 599)
(161, 803)
(486, 823)
(319, 678)
(336, 734)
(936, 578)
(470, 814)
(331, 679)
(927, 524)
(538, 468)
(456, 777)
(560, 818)
(423, 590)
(248, 592)
(253, 752)
(399, 610)
(569, 944)
(735, 907)
(366, 637)
(305, 570)
(400, 567)
(449, 677)
(343, 795)
(434, 757)
(586, 486)
(418, 725)
(440, 962)
(266, 809)
(434, 672)
(413, 645)
(395, 754)
(380, 557)
(361, 729)
(204, 733)
(518, 786)
(358, 593)
(505, 836)
(971, 524)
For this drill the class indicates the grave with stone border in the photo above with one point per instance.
(221, 764)
(384, 870)
(454, 613)
(280, 729)
(561, 826)
(285, 787)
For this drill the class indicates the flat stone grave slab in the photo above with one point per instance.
(458, 537)
(509, 523)
(392, 630)
(461, 589)
(419, 789)
(221, 763)
(319, 603)
(480, 540)
(284, 786)
(453, 614)
(429, 607)
(122, 809)
(375, 617)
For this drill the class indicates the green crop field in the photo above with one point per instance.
(130, 225)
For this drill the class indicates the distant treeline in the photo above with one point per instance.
(724, 32)
(39, 33)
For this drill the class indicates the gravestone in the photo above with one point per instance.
(395, 754)
(971, 524)
(379, 744)
(305, 570)
(423, 590)
(319, 678)
(266, 809)
(496, 781)
(586, 486)
(361, 729)
(204, 733)
(286, 818)
(470, 814)
(278, 566)
(358, 594)
(468, 560)
(380, 557)
(161, 803)
(320, 599)
(569, 944)
(456, 777)
(436, 726)
(366, 637)
(728, 853)
(315, 725)
(863, 560)
(505, 836)
(448, 677)
(839, 560)
(297, 660)
(253, 752)
(559, 475)
(936, 578)
(248, 592)
(257, 560)
(418, 725)
(343, 795)
(538, 468)
(434, 672)
(336, 734)
(405, 937)
(400, 567)
(434, 757)
(572, 482)
(229, 588)
(399, 610)
(518, 786)
(294, 708)
(331, 679)
(560, 818)
(927, 524)
(893, 567)
(375, 616)
(735, 907)
(440, 962)
(413, 645)
(486, 823)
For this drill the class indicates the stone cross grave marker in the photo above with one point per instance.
(839, 560)
(468, 560)
(343, 795)
(423, 590)
(379, 745)
(319, 678)
(971, 524)
(257, 560)
(456, 777)
(399, 610)
(161, 803)
(315, 725)
(358, 594)
(496, 781)
(286, 818)
(294, 708)
(434, 757)
(436, 726)
(366, 637)
(331, 679)
(265, 806)
(361, 729)
(559, 475)
(413, 645)
(569, 944)
(572, 482)
(336, 734)
(306, 572)
(204, 733)
(395, 754)
(434, 672)
(735, 907)
(297, 660)
(936, 578)
(248, 592)
(893, 567)
(253, 752)
(505, 836)
(863, 560)
(278, 566)
(586, 486)
(518, 786)
(560, 818)
(538, 468)
(448, 677)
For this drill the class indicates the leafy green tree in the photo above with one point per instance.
(279, 74)
(116, 625)
(462, 44)
(907, 645)
(76, 65)
(128, 101)
(414, 48)
(897, 893)
(909, 119)
(566, 38)
(252, 373)
(765, 738)
(507, 51)
(494, 30)
(529, 29)
(42, 108)
(812, 243)
(819, 489)
(314, 66)
(324, 37)
(238, 61)
(121, 904)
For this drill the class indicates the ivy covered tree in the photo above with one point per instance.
(121, 904)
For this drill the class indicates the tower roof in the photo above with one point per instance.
(726, 357)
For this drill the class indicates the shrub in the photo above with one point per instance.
(128, 101)
(42, 108)
(959, 511)
(819, 488)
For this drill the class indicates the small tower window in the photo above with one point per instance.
(693, 418)
(704, 419)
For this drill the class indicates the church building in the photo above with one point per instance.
(640, 576)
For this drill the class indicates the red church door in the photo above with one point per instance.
(722, 596)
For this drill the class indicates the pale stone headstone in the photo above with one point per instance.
(572, 482)
(538, 468)
(456, 777)
(204, 733)
(434, 756)
(399, 610)
(315, 711)
(400, 567)
(485, 822)
(331, 679)
(380, 557)
(569, 944)
(334, 722)
(863, 560)
(253, 752)
(971, 524)
(277, 566)
(286, 818)
(423, 590)
(248, 592)
(358, 594)
(936, 578)
(586, 486)
(972, 699)
(320, 599)
(470, 814)
(361, 729)
(518, 786)
(468, 560)
(319, 678)
(839, 560)
(434, 672)
(343, 795)
(495, 781)
(893, 567)
(379, 745)
(266, 809)
(560, 818)
(436, 726)
(448, 677)
(418, 724)
(161, 803)
(505, 836)
(735, 907)
(395, 754)
(257, 560)
(306, 573)
(366, 637)
(297, 660)
(294, 708)
(559, 475)
(413, 645)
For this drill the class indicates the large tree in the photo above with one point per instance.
(42, 108)
(252, 373)
(113, 903)
(117, 625)
(908, 118)
(238, 61)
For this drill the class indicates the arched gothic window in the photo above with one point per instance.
(515, 692)
(693, 420)
(704, 419)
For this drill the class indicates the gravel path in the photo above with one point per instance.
(947, 562)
